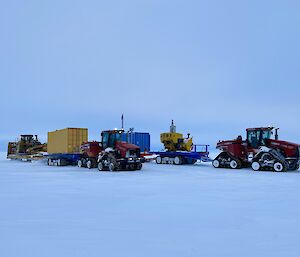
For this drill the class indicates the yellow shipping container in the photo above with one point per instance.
(66, 140)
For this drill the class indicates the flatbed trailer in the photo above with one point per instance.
(63, 159)
(183, 157)
(26, 157)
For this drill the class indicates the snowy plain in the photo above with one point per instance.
(161, 211)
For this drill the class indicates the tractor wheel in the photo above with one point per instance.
(266, 157)
(279, 167)
(100, 166)
(240, 164)
(111, 167)
(216, 163)
(297, 167)
(130, 167)
(255, 166)
(139, 166)
(294, 166)
(158, 160)
(89, 164)
(79, 164)
(235, 164)
(177, 160)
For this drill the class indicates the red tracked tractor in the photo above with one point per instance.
(117, 154)
(111, 153)
(259, 151)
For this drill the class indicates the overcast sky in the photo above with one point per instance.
(215, 67)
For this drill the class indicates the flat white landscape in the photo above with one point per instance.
(161, 211)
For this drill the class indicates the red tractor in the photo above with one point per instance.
(116, 154)
(258, 151)
(111, 153)
(90, 152)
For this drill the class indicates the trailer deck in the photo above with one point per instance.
(184, 157)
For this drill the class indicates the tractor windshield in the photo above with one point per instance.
(109, 139)
(26, 138)
(257, 138)
(116, 137)
(266, 134)
(105, 137)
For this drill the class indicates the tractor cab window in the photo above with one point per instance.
(105, 137)
(26, 138)
(257, 138)
(119, 137)
(115, 137)
(109, 139)
(253, 138)
(266, 134)
(112, 140)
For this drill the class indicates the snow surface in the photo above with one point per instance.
(162, 211)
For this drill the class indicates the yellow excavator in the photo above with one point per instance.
(174, 141)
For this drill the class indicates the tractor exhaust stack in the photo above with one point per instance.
(276, 133)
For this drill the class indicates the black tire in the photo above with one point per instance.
(178, 160)
(139, 166)
(100, 166)
(89, 164)
(294, 166)
(255, 165)
(111, 167)
(279, 167)
(158, 160)
(113, 164)
(79, 164)
(216, 163)
(240, 164)
(266, 157)
(84, 161)
(235, 164)
(132, 167)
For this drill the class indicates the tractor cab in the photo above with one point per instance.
(27, 138)
(110, 137)
(257, 137)
(26, 142)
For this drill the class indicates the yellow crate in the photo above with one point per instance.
(66, 140)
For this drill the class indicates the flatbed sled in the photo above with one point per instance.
(63, 159)
(183, 157)
(26, 157)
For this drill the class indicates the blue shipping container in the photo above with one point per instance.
(138, 138)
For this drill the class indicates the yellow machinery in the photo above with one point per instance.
(27, 147)
(175, 141)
